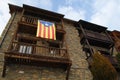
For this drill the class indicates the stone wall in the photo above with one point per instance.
(24, 72)
(79, 70)
(13, 26)
(6, 36)
(1, 63)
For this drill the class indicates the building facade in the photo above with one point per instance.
(60, 59)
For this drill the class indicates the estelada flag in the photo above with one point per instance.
(46, 30)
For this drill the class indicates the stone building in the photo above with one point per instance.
(27, 57)
(116, 37)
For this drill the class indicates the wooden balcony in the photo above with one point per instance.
(32, 21)
(35, 52)
(31, 54)
(97, 36)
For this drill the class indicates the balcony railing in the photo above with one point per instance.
(96, 35)
(33, 21)
(31, 54)
(23, 49)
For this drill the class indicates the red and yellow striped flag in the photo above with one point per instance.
(46, 30)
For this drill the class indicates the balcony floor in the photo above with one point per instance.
(36, 60)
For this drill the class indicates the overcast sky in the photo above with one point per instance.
(102, 12)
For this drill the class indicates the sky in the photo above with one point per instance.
(102, 12)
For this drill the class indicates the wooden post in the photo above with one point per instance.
(108, 36)
(4, 69)
(21, 16)
(68, 71)
(89, 47)
(86, 38)
(62, 24)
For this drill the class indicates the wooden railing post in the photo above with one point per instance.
(91, 51)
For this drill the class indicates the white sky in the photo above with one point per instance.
(101, 12)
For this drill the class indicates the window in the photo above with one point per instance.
(25, 49)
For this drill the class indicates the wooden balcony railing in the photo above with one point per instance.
(31, 49)
(33, 21)
(29, 20)
(96, 35)
(31, 54)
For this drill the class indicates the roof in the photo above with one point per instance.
(92, 26)
(55, 16)
(43, 11)
(69, 20)
(115, 31)
(14, 8)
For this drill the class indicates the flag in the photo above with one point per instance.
(46, 30)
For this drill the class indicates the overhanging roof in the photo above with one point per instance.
(43, 11)
(92, 26)
(14, 8)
